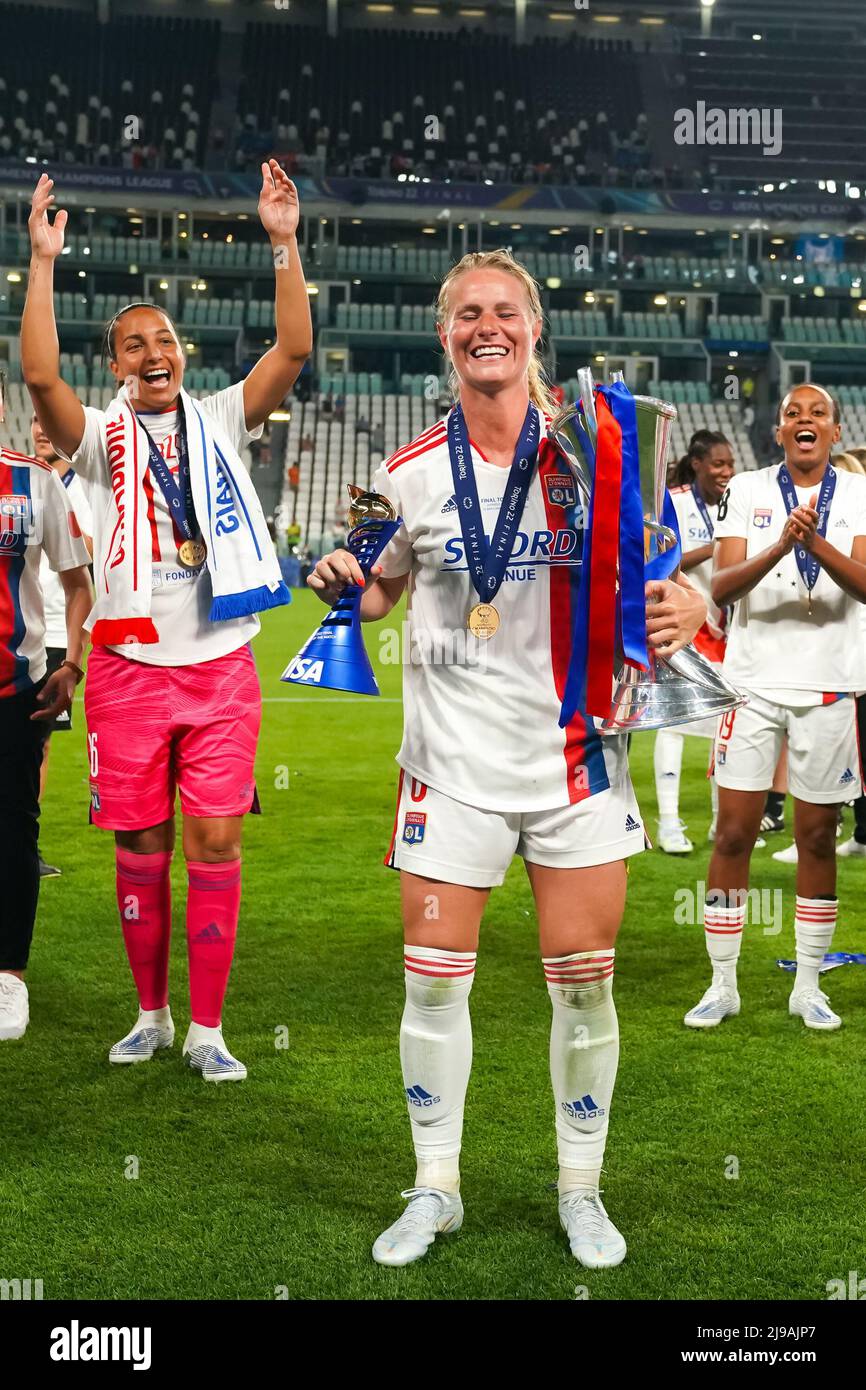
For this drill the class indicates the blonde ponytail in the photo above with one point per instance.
(539, 388)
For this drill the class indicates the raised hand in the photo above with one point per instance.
(279, 208)
(46, 239)
(801, 526)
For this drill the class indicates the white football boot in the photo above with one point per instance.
(852, 849)
(595, 1242)
(211, 1058)
(153, 1032)
(787, 856)
(14, 1008)
(429, 1213)
(673, 839)
(720, 1001)
(812, 1005)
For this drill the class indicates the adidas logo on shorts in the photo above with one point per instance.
(847, 776)
(631, 823)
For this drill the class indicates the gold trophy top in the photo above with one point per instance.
(367, 506)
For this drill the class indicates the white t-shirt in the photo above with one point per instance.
(36, 520)
(485, 729)
(53, 597)
(181, 598)
(710, 640)
(775, 647)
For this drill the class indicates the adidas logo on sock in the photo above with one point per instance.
(584, 1109)
(631, 823)
(847, 776)
(209, 933)
(416, 1095)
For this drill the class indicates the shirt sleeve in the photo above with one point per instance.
(732, 518)
(859, 509)
(80, 505)
(396, 559)
(90, 459)
(227, 407)
(61, 538)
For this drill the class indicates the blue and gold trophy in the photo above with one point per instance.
(335, 657)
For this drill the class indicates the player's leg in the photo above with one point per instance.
(20, 741)
(856, 846)
(773, 819)
(746, 753)
(667, 764)
(214, 757)
(575, 862)
(131, 793)
(823, 765)
(449, 856)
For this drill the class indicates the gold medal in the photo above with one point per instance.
(483, 620)
(192, 554)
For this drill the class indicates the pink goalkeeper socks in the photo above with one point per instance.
(144, 902)
(212, 907)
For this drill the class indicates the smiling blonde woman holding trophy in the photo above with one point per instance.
(487, 549)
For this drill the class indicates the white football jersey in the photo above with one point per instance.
(481, 718)
(710, 641)
(775, 646)
(36, 520)
(181, 598)
(53, 593)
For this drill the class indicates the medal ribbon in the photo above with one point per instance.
(487, 561)
(808, 566)
(702, 508)
(178, 498)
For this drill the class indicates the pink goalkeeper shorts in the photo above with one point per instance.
(151, 729)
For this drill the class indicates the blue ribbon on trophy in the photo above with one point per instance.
(632, 564)
(617, 446)
(335, 657)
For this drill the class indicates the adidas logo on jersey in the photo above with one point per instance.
(841, 523)
(847, 776)
(583, 1109)
(450, 505)
(631, 823)
(416, 1095)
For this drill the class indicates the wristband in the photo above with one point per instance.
(77, 669)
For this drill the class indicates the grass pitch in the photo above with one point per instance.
(278, 1186)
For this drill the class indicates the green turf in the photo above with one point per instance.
(283, 1182)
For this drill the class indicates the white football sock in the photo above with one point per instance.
(584, 1052)
(201, 1036)
(154, 1016)
(814, 924)
(436, 1056)
(668, 761)
(723, 934)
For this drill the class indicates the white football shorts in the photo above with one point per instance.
(823, 756)
(440, 838)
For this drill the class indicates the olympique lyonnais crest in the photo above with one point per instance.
(560, 489)
(413, 827)
(14, 519)
(761, 517)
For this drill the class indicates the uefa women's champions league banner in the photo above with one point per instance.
(225, 186)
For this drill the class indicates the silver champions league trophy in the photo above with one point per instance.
(673, 690)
